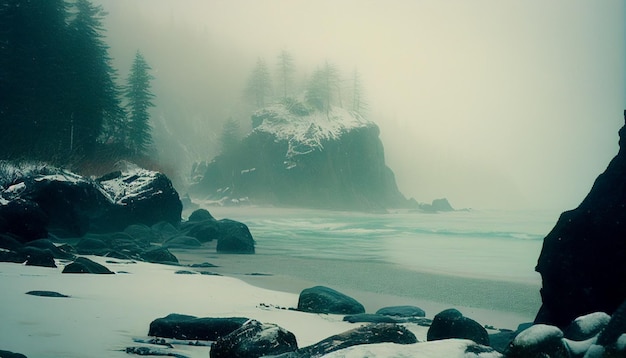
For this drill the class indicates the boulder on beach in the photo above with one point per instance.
(402, 311)
(234, 237)
(85, 265)
(191, 327)
(46, 294)
(321, 299)
(587, 326)
(8, 354)
(254, 339)
(451, 323)
(367, 334)
(538, 341)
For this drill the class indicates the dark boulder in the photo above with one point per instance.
(92, 246)
(24, 219)
(254, 339)
(451, 323)
(583, 259)
(165, 230)
(85, 265)
(200, 215)
(438, 205)
(587, 326)
(141, 196)
(538, 341)
(142, 234)
(12, 256)
(367, 334)
(370, 318)
(9, 242)
(46, 294)
(46, 244)
(191, 328)
(182, 242)
(159, 255)
(402, 311)
(234, 237)
(615, 328)
(321, 299)
(38, 257)
(203, 230)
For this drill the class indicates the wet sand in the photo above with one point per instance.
(376, 284)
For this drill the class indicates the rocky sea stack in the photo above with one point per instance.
(296, 156)
(583, 260)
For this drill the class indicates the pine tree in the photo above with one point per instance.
(359, 104)
(285, 70)
(139, 98)
(323, 88)
(230, 136)
(259, 84)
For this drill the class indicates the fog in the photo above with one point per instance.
(492, 104)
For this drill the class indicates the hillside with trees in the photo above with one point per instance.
(60, 98)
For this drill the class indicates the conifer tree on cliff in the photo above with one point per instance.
(95, 97)
(139, 96)
(259, 84)
(323, 88)
(285, 72)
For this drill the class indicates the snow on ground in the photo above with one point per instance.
(104, 313)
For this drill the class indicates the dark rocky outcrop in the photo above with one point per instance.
(159, 255)
(370, 318)
(452, 324)
(438, 205)
(367, 334)
(35, 201)
(38, 257)
(254, 339)
(85, 265)
(310, 159)
(46, 244)
(402, 311)
(583, 259)
(8, 354)
(191, 328)
(321, 299)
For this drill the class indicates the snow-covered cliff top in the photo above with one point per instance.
(306, 133)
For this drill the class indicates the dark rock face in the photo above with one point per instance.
(54, 200)
(367, 334)
(402, 311)
(438, 205)
(85, 265)
(320, 299)
(452, 324)
(343, 170)
(254, 339)
(191, 328)
(583, 260)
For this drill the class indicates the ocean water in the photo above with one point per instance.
(475, 258)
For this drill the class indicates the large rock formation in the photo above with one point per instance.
(305, 158)
(583, 260)
(37, 199)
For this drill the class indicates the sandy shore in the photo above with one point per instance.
(498, 303)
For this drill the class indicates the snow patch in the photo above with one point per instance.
(535, 334)
(306, 134)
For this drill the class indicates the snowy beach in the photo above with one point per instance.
(105, 314)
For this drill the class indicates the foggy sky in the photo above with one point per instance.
(492, 104)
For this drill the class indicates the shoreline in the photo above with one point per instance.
(501, 304)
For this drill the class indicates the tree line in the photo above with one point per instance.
(324, 88)
(60, 100)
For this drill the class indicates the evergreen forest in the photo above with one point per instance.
(60, 98)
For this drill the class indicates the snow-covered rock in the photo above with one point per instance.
(313, 159)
